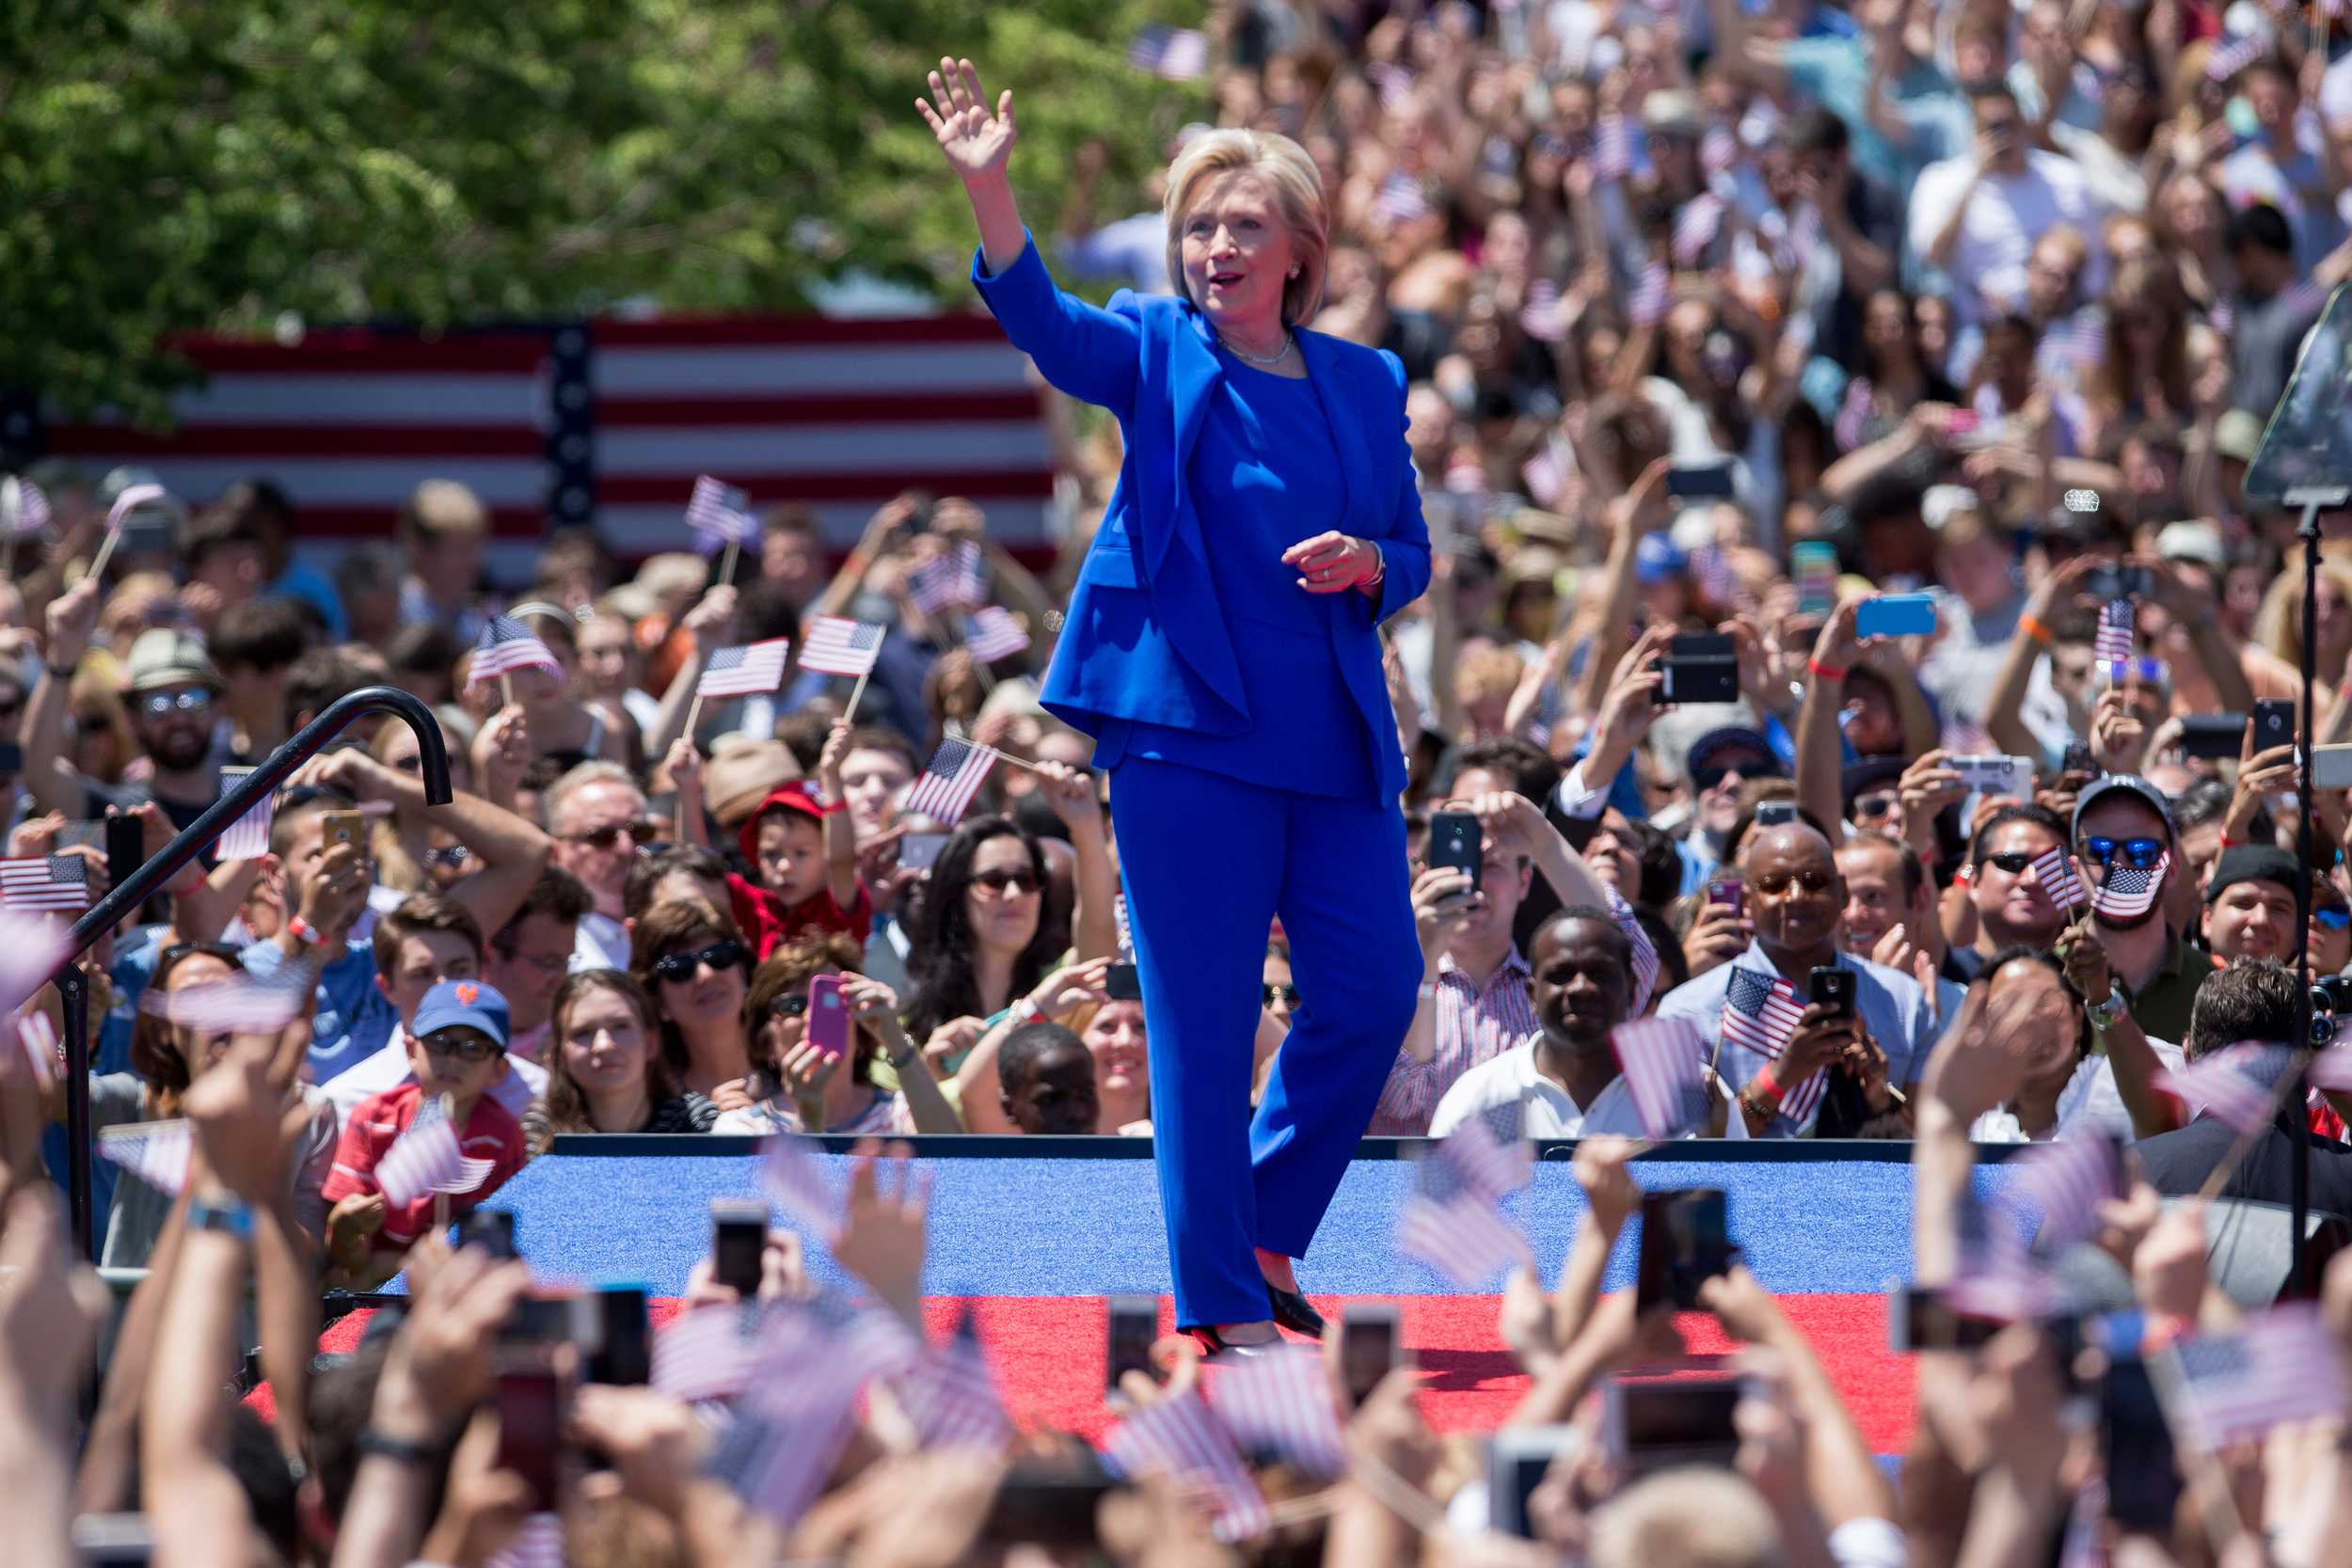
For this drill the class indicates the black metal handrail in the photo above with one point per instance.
(151, 878)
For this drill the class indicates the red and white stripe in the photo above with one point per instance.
(155, 1151)
(1179, 1438)
(1660, 1059)
(1280, 1403)
(832, 645)
(744, 671)
(953, 776)
(426, 1159)
(247, 837)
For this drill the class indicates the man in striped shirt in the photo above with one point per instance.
(1475, 1002)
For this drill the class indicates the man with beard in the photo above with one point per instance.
(2014, 909)
(1794, 896)
(1565, 1077)
(169, 685)
(2123, 836)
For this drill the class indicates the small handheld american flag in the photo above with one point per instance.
(949, 582)
(994, 633)
(2128, 892)
(1612, 147)
(1279, 1405)
(1171, 53)
(2235, 1387)
(833, 646)
(507, 646)
(1400, 199)
(155, 1151)
(744, 671)
(1761, 1013)
(950, 1395)
(426, 1159)
(1695, 227)
(1179, 1438)
(720, 514)
(247, 837)
(243, 1004)
(538, 1543)
(953, 776)
(2065, 1182)
(703, 1354)
(31, 883)
(1660, 1060)
(789, 1174)
(2054, 874)
(24, 510)
(2114, 640)
(2239, 1085)
(1652, 293)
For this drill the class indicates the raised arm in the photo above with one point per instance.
(513, 851)
(1820, 752)
(1094, 915)
(48, 778)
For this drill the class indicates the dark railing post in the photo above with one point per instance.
(151, 878)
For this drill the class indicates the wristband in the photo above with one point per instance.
(1825, 672)
(64, 674)
(194, 883)
(378, 1445)
(1765, 1088)
(2229, 843)
(1024, 1010)
(2031, 625)
(231, 1218)
(304, 933)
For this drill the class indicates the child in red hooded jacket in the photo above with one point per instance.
(803, 848)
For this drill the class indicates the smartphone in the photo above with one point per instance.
(827, 1025)
(2214, 736)
(12, 758)
(2078, 760)
(920, 851)
(1122, 983)
(342, 827)
(1707, 482)
(491, 1229)
(1516, 1462)
(1702, 645)
(1685, 1242)
(1831, 986)
(1917, 1321)
(624, 1355)
(2274, 726)
(1814, 565)
(126, 847)
(1454, 840)
(114, 1540)
(1730, 892)
(2331, 768)
(2123, 580)
(1775, 813)
(2143, 1476)
(739, 1242)
(1652, 1423)
(1049, 1503)
(1995, 775)
(1131, 1327)
(1698, 680)
(1370, 1347)
(1896, 615)
(530, 1429)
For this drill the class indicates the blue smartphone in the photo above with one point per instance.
(1896, 615)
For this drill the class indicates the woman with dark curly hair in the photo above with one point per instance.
(803, 1088)
(605, 1067)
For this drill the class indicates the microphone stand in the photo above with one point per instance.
(2311, 498)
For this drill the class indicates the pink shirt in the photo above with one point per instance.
(1473, 1025)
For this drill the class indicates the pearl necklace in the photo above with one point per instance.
(1249, 359)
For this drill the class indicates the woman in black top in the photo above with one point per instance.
(605, 1067)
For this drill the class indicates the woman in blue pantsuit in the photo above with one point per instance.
(1222, 649)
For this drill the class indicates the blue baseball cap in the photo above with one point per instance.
(1658, 558)
(462, 1005)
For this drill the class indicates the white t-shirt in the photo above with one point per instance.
(2090, 1099)
(2005, 216)
(602, 943)
(523, 1082)
(1511, 1079)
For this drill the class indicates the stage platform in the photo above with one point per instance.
(1033, 1233)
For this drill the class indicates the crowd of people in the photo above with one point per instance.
(1723, 320)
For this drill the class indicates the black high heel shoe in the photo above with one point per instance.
(1215, 1347)
(1295, 1312)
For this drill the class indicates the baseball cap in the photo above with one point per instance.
(2124, 784)
(2253, 862)
(462, 1005)
(796, 796)
(1731, 737)
(1658, 558)
(164, 655)
(2193, 540)
(2236, 433)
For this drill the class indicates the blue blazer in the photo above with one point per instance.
(1146, 640)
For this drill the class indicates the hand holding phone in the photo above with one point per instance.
(1133, 1327)
(1370, 1347)
(1896, 615)
(828, 1021)
(1456, 842)
(738, 1244)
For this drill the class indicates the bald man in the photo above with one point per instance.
(1795, 897)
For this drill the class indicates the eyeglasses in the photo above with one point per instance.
(607, 837)
(2142, 852)
(681, 966)
(1774, 884)
(1709, 777)
(466, 1046)
(2014, 862)
(157, 705)
(1288, 993)
(1001, 883)
(2335, 920)
(410, 763)
(1877, 804)
(791, 1004)
(450, 855)
(546, 963)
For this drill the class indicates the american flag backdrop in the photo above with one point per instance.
(599, 421)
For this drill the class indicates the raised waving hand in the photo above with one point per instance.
(978, 144)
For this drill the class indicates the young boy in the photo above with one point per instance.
(456, 1048)
(804, 847)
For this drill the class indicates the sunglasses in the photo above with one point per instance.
(1878, 803)
(681, 966)
(2335, 920)
(158, 705)
(2014, 862)
(794, 1005)
(1001, 883)
(1288, 993)
(639, 833)
(1709, 777)
(2142, 852)
(465, 1047)
(1773, 884)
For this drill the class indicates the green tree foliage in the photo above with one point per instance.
(171, 165)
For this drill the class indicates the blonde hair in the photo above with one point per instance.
(1297, 186)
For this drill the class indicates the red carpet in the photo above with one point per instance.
(1047, 1351)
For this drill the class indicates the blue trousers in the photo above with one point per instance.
(1208, 862)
